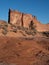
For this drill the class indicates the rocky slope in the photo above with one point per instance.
(24, 51)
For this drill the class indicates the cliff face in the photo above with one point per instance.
(21, 19)
(15, 17)
(41, 27)
(27, 18)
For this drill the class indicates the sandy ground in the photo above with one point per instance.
(24, 51)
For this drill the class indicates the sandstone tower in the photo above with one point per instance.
(15, 17)
(20, 19)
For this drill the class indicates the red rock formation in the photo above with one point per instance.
(15, 17)
(21, 19)
(27, 18)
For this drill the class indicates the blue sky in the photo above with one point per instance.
(39, 8)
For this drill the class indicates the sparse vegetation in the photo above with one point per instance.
(6, 25)
(45, 34)
(4, 32)
(18, 27)
(30, 32)
(14, 30)
(22, 33)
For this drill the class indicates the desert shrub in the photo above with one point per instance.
(45, 34)
(3, 27)
(22, 33)
(14, 30)
(29, 33)
(32, 26)
(24, 28)
(18, 27)
(6, 25)
(0, 26)
(4, 32)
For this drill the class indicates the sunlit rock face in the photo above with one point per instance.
(20, 19)
(27, 18)
(15, 17)
(39, 26)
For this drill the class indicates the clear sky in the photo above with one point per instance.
(39, 8)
